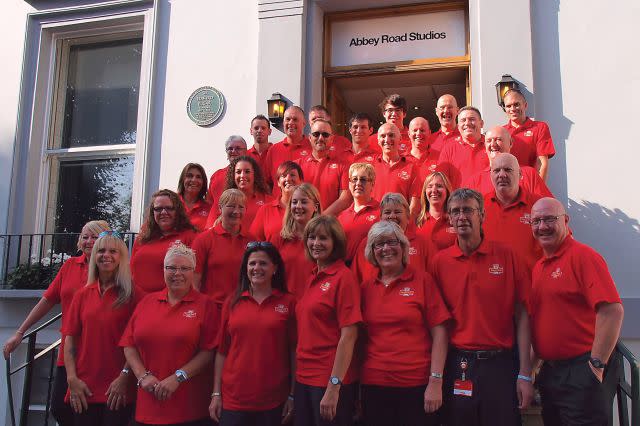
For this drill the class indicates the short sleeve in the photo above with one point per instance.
(71, 321)
(200, 247)
(292, 324)
(257, 227)
(53, 292)
(436, 311)
(223, 338)
(598, 286)
(210, 326)
(523, 280)
(544, 143)
(127, 338)
(348, 300)
(344, 177)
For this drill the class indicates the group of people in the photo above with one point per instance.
(415, 278)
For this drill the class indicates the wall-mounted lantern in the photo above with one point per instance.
(503, 86)
(276, 106)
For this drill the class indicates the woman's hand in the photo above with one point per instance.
(433, 395)
(329, 402)
(287, 411)
(166, 388)
(149, 383)
(11, 344)
(215, 408)
(117, 392)
(78, 391)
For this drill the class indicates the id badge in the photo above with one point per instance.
(463, 388)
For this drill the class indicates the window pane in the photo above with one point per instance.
(101, 104)
(92, 190)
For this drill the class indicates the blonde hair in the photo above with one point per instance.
(179, 249)
(363, 167)
(231, 195)
(424, 201)
(123, 276)
(288, 222)
(95, 227)
(380, 229)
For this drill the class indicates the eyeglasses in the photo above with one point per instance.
(390, 243)
(235, 149)
(548, 220)
(260, 244)
(169, 209)
(174, 269)
(393, 110)
(325, 135)
(467, 211)
(357, 179)
(113, 233)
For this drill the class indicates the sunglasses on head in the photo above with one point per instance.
(260, 244)
(112, 233)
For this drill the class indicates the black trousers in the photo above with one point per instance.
(307, 405)
(395, 406)
(493, 402)
(60, 410)
(271, 417)
(201, 422)
(100, 415)
(571, 394)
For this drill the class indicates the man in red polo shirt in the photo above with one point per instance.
(498, 140)
(327, 173)
(426, 158)
(463, 159)
(576, 315)
(235, 146)
(394, 111)
(395, 172)
(362, 149)
(485, 287)
(295, 144)
(508, 209)
(446, 111)
(260, 130)
(532, 143)
(337, 143)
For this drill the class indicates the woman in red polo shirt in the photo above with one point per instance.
(433, 222)
(253, 382)
(303, 206)
(166, 222)
(219, 249)
(100, 386)
(71, 276)
(245, 174)
(192, 189)
(168, 342)
(328, 315)
(404, 333)
(268, 221)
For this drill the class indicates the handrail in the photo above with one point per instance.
(625, 390)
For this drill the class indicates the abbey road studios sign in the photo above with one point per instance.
(398, 38)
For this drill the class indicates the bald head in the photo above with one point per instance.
(419, 133)
(447, 111)
(550, 224)
(497, 140)
(389, 139)
(505, 177)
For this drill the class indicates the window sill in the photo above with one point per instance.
(20, 294)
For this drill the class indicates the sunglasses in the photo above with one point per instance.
(112, 233)
(325, 135)
(260, 244)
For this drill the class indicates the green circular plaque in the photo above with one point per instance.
(205, 105)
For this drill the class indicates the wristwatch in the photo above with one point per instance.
(181, 375)
(597, 363)
(335, 380)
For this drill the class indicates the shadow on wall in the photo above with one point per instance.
(615, 235)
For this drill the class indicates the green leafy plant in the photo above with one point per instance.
(36, 275)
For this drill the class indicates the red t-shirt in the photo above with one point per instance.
(397, 322)
(217, 182)
(281, 152)
(97, 327)
(567, 288)
(267, 223)
(510, 226)
(481, 292)
(459, 161)
(258, 340)
(439, 232)
(198, 214)
(167, 337)
(356, 225)
(298, 268)
(404, 147)
(438, 140)
(147, 259)
(330, 176)
(260, 158)
(530, 141)
(71, 277)
(331, 302)
(530, 180)
(402, 177)
(218, 259)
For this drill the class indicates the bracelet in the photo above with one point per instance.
(146, 373)
(290, 397)
(436, 375)
(525, 378)
(216, 394)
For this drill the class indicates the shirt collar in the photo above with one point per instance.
(329, 270)
(483, 248)
(564, 246)
(407, 275)
(163, 296)
(521, 198)
(372, 203)
(219, 230)
(80, 259)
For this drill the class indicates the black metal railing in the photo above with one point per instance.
(28, 366)
(623, 362)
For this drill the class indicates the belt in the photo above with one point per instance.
(569, 361)
(488, 354)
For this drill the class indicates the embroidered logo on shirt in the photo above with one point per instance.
(526, 219)
(404, 175)
(332, 148)
(556, 274)
(451, 230)
(496, 269)
(432, 168)
(281, 309)
(528, 133)
(189, 314)
(406, 292)
(371, 217)
(333, 166)
(304, 153)
(259, 203)
(412, 251)
(204, 213)
(325, 286)
(458, 139)
(369, 158)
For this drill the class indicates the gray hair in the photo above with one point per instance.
(179, 249)
(463, 194)
(394, 198)
(234, 138)
(380, 229)
(470, 108)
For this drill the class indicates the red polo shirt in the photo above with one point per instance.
(438, 140)
(530, 180)
(198, 214)
(530, 141)
(356, 225)
(218, 258)
(330, 176)
(338, 144)
(258, 340)
(426, 165)
(260, 158)
(439, 232)
(331, 302)
(567, 289)
(404, 147)
(281, 152)
(367, 155)
(71, 277)
(481, 291)
(217, 182)
(510, 225)
(298, 268)
(97, 327)
(459, 161)
(167, 337)
(147, 259)
(267, 223)
(402, 177)
(397, 322)
(419, 256)
(251, 207)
